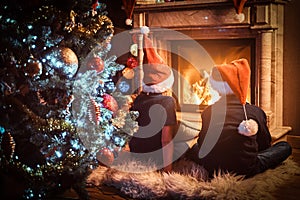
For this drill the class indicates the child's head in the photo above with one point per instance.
(232, 78)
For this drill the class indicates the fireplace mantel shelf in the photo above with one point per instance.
(181, 5)
(210, 14)
(196, 4)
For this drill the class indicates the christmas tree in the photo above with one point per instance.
(60, 115)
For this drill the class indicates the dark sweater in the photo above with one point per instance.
(155, 112)
(231, 151)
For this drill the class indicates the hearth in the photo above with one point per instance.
(181, 30)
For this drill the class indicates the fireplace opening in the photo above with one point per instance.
(192, 61)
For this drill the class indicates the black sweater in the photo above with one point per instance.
(222, 147)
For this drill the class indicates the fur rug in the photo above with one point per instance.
(189, 181)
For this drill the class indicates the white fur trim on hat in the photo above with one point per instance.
(160, 87)
(221, 87)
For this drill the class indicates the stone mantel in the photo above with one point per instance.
(180, 15)
(215, 19)
(196, 4)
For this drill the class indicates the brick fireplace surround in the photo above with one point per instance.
(214, 19)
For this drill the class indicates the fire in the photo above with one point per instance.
(204, 93)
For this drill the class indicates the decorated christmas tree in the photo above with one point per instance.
(60, 115)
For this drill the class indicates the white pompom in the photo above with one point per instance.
(128, 22)
(239, 17)
(145, 30)
(248, 127)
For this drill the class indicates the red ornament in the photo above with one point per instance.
(95, 63)
(131, 62)
(105, 156)
(33, 67)
(110, 103)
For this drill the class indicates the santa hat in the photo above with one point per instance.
(158, 76)
(235, 78)
(239, 6)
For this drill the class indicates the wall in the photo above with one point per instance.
(291, 61)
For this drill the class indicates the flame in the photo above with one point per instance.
(205, 94)
(221, 52)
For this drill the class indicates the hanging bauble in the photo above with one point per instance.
(8, 145)
(128, 73)
(62, 60)
(131, 62)
(128, 22)
(124, 86)
(33, 67)
(110, 103)
(105, 156)
(95, 63)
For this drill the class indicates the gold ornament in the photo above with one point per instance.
(68, 56)
(63, 60)
(128, 73)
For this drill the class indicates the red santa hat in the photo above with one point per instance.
(235, 78)
(239, 6)
(236, 75)
(158, 76)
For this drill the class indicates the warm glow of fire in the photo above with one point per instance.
(205, 94)
(196, 88)
(200, 92)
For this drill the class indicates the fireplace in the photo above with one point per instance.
(194, 64)
(180, 30)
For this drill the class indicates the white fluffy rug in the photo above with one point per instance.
(189, 181)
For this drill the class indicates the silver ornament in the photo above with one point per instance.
(61, 60)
